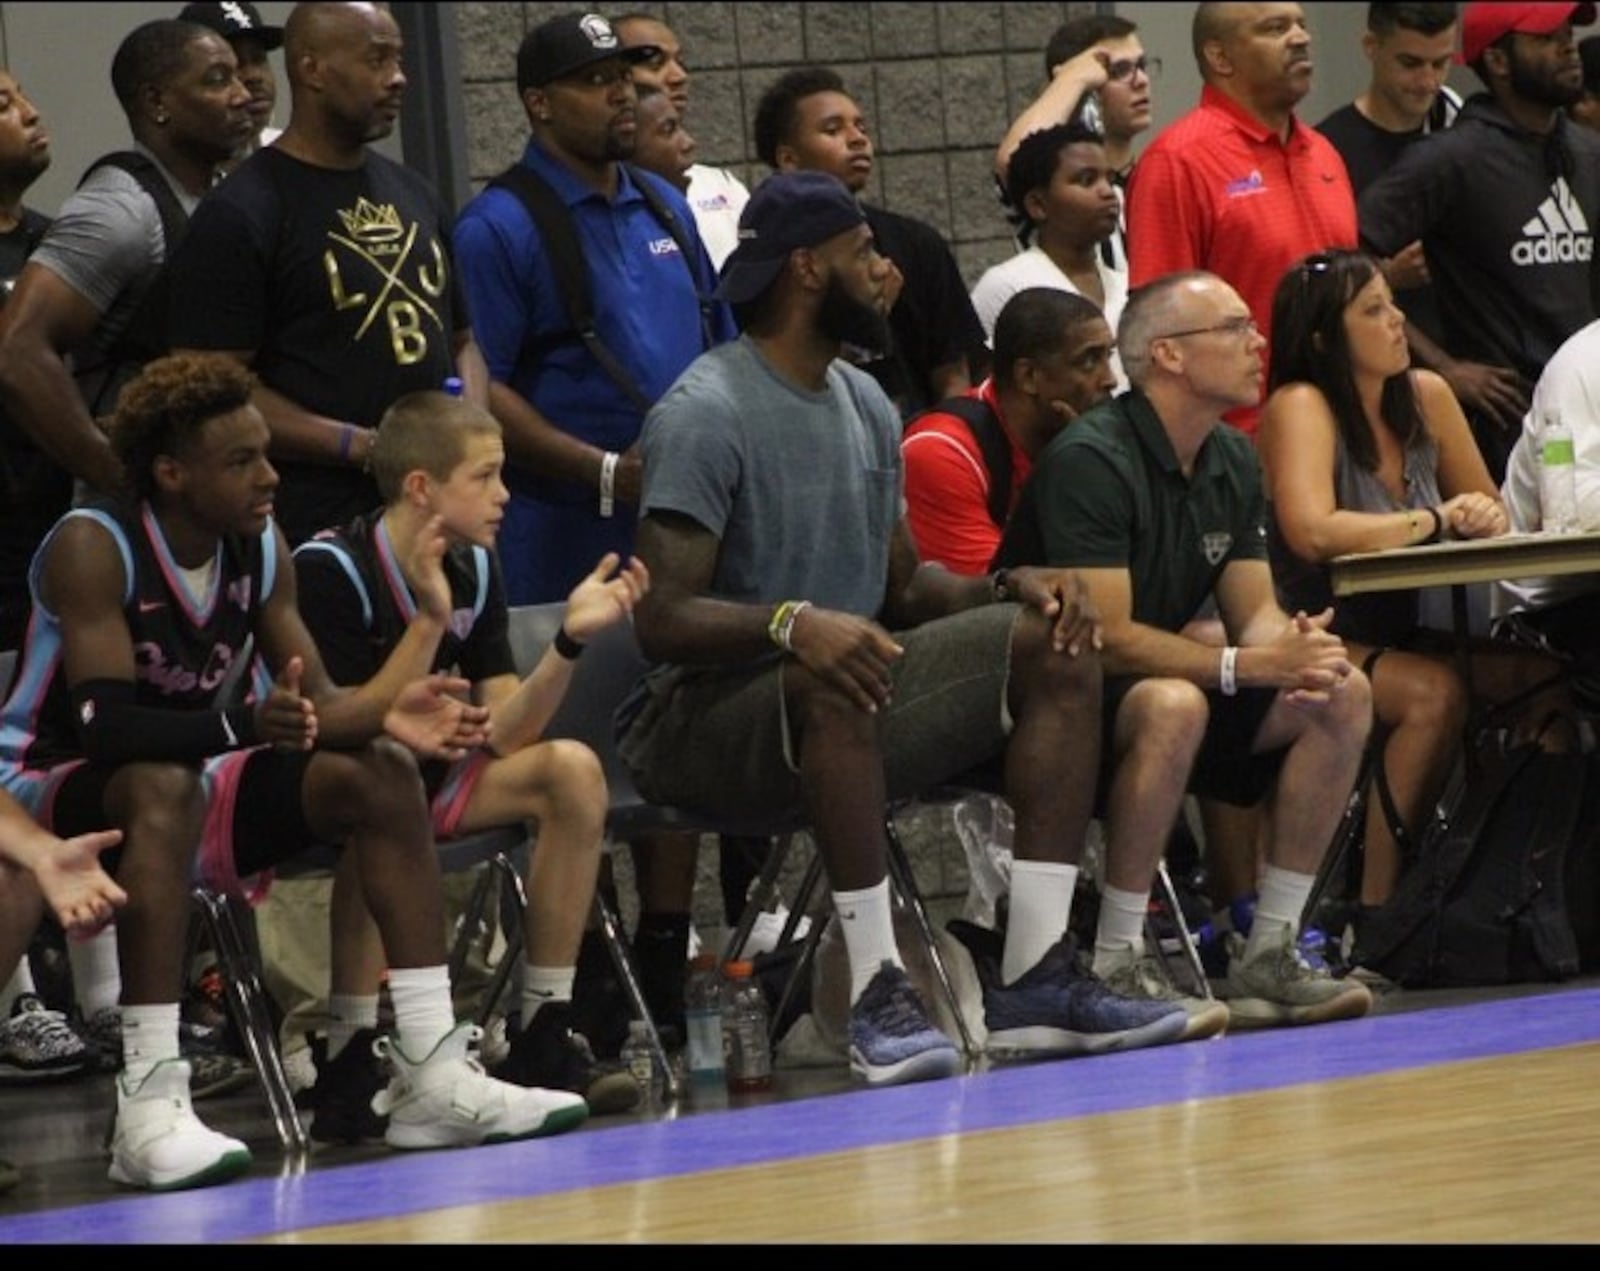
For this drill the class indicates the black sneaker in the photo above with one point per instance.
(342, 1097)
(550, 1055)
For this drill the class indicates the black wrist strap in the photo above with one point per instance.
(565, 646)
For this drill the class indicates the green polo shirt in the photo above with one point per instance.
(1107, 493)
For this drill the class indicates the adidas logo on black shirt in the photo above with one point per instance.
(1559, 234)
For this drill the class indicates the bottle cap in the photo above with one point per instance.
(454, 386)
(740, 970)
(703, 962)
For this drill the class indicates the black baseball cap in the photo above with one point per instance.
(560, 46)
(788, 210)
(233, 18)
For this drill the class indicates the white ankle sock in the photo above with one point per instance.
(1119, 934)
(1041, 902)
(868, 927)
(541, 984)
(348, 1014)
(423, 1013)
(149, 1036)
(1281, 901)
(96, 973)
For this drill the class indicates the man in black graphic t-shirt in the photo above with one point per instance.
(326, 267)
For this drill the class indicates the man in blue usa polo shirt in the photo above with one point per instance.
(570, 427)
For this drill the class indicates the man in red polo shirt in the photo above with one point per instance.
(1239, 186)
(1052, 361)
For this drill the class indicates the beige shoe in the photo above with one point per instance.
(1146, 977)
(1278, 986)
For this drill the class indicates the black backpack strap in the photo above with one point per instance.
(686, 249)
(146, 335)
(571, 271)
(142, 168)
(993, 445)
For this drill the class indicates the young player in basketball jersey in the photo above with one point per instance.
(438, 461)
(141, 610)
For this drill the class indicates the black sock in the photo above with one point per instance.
(661, 950)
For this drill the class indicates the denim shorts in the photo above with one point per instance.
(718, 741)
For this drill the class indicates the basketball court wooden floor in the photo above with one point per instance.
(1440, 1118)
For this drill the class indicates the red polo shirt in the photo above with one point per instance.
(947, 487)
(1217, 190)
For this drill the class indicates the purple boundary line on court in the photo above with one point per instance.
(403, 1184)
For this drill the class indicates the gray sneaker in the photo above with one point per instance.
(1278, 986)
(36, 1044)
(1146, 978)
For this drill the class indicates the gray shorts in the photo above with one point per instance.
(718, 741)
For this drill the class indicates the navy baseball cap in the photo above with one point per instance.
(788, 210)
(563, 45)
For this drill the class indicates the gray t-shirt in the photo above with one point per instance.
(803, 489)
(107, 245)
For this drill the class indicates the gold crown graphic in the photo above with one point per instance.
(370, 223)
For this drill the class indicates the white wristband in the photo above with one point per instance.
(1229, 683)
(608, 483)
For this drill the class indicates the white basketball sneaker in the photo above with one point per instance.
(447, 1100)
(159, 1144)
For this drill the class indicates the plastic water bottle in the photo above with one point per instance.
(746, 1051)
(1558, 476)
(702, 1014)
(639, 1058)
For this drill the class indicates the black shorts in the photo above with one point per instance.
(1224, 767)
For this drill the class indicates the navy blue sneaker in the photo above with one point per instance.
(891, 1041)
(1060, 1007)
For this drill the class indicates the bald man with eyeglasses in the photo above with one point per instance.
(1160, 509)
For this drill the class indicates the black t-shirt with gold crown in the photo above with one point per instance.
(342, 282)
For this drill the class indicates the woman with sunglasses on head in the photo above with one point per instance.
(1364, 452)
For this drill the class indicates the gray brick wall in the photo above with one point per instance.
(938, 83)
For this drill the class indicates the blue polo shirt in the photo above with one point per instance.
(646, 307)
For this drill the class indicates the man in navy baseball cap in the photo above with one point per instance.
(788, 211)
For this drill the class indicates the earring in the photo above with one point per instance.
(161, 117)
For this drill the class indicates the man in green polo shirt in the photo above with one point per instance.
(1159, 507)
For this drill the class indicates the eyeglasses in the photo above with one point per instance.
(1150, 67)
(1243, 326)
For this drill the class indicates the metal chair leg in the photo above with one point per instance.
(247, 1002)
(765, 887)
(802, 969)
(512, 924)
(467, 929)
(611, 933)
(911, 895)
(1191, 955)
